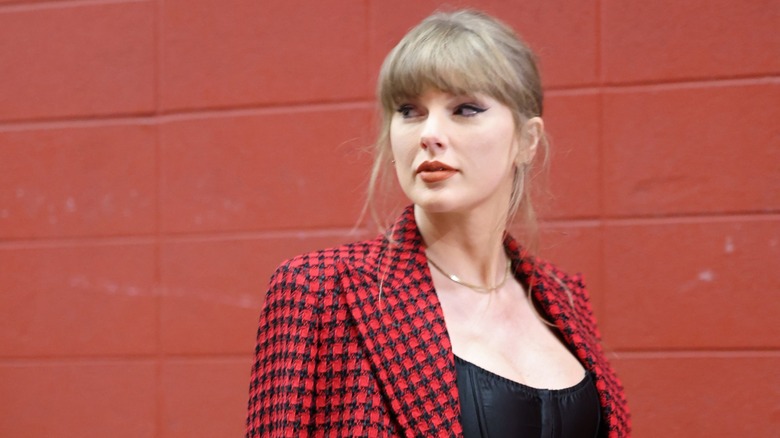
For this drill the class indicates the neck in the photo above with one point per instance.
(469, 245)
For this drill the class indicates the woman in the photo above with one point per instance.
(444, 325)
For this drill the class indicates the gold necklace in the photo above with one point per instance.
(475, 287)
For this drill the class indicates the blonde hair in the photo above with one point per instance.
(462, 52)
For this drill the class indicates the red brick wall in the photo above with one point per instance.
(159, 158)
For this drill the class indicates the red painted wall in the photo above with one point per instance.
(159, 158)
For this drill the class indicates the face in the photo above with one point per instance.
(455, 153)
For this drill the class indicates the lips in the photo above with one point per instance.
(435, 171)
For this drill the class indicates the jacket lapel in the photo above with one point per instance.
(402, 327)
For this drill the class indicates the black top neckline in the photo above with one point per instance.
(493, 406)
(586, 380)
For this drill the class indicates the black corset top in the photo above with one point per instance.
(493, 406)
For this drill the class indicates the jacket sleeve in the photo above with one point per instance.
(281, 390)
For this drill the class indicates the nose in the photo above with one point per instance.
(433, 132)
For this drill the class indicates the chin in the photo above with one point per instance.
(434, 208)
(433, 202)
(459, 205)
(441, 204)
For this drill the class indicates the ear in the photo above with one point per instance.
(530, 135)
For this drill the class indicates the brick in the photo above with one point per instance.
(20, 3)
(73, 61)
(302, 169)
(71, 301)
(671, 40)
(96, 181)
(214, 289)
(563, 34)
(576, 248)
(693, 284)
(205, 398)
(114, 399)
(262, 52)
(712, 395)
(573, 186)
(692, 150)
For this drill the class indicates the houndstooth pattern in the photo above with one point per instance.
(337, 357)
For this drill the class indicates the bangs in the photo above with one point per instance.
(444, 57)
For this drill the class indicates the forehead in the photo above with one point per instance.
(457, 64)
(413, 87)
(416, 77)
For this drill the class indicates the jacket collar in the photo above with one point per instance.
(401, 323)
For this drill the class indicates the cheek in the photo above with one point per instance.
(401, 145)
(495, 157)
(394, 140)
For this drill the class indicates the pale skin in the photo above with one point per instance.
(461, 212)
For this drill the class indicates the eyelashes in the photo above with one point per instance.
(469, 110)
(408, 110)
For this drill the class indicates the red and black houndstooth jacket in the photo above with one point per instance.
(338, 355)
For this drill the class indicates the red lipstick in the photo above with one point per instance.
(435, 171)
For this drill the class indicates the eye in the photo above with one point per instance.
(469, 110)
(407, 111)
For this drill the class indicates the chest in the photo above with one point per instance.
(503, 332)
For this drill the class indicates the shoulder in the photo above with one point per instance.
(561, 291)
(304, 287)
(541, 272)
(574, 282)
(331, 260)
(322, 269)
